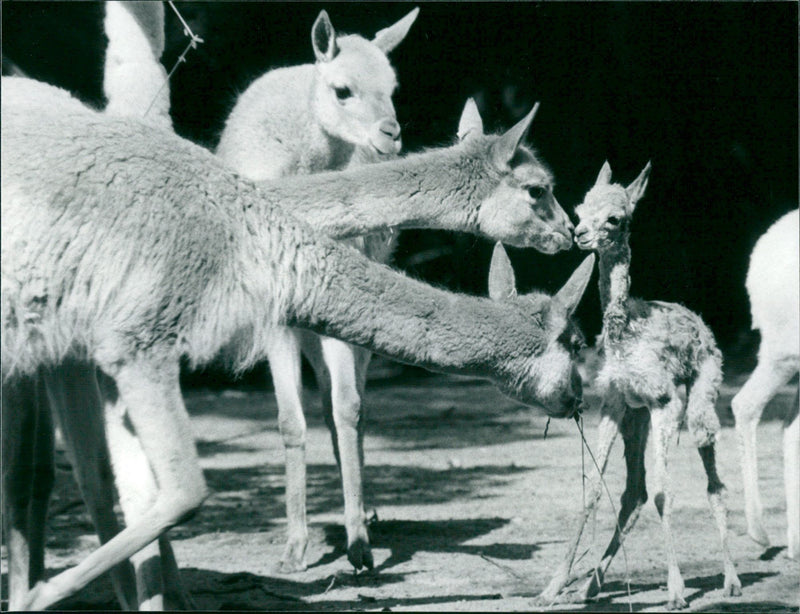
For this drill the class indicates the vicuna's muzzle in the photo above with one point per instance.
(386, 136)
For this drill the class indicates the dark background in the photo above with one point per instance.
(707, 91)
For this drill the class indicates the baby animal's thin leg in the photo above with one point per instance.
(664, 421)
(635, 429)
(716, 489)
(611, 415)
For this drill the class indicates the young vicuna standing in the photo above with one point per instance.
(651, 349)
(125, 245)
(301, 120)
(296, 121)
(774, 291)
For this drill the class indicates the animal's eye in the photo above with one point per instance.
(578, 343)
(613, 220)
(342, 93)
(536, 191)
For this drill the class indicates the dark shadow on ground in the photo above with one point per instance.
(404, 538)
(212, 591)
(249, 499)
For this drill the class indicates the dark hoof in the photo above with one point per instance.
(360, 555)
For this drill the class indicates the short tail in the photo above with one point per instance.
(701, 399)
(134, 81)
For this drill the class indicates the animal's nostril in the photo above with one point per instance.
(390, 128)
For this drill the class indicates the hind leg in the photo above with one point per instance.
(747, 405)
(791, 479)
(635, 429)
(20, 406)
(76, 404)
(732, 586)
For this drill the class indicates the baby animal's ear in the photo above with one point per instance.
(505, 148)
(502, 285)
(323, 38)
(388, 38)
(470, 123)
(636, 189)
(571, 292)
(604, 176)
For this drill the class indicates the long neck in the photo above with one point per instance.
(439, 189)
(614, 285)
(368, 304)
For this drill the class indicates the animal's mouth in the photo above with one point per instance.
(553, 242)
(386, 146)
(584, 243)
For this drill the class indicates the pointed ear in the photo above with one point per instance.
(604, 176)
(571, 292)
(323, 38)
(505, 148)
(636, 189)
(502, 285)
(470, 122)
(388, 38)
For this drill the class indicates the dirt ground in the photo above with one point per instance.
(473, 509)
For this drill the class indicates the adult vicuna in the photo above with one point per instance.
(519, 208)
(130, 247)
(135, 84)
(300, 120)
(651, 350)
(772, 285)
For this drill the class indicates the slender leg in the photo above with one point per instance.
(747, 407)
(665, 420)
(716, 490)
(137, 490)
(611, 415)
(284, 362)
(43, 479)
(20, 405)
(791, 479)
(342, 361)
(635, 429)
(76, 404)
(151, 393)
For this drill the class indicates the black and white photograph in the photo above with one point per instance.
(400, 306)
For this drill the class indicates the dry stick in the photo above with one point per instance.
(614, 510)
(194, 40)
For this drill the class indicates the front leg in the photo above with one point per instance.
(611, 415)
(283, 353)
(665, 422)
(346, 365)
(635, 429)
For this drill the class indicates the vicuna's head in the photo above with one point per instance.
(605, 213)
(354, 83)
(521, 209)
(549, 376)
